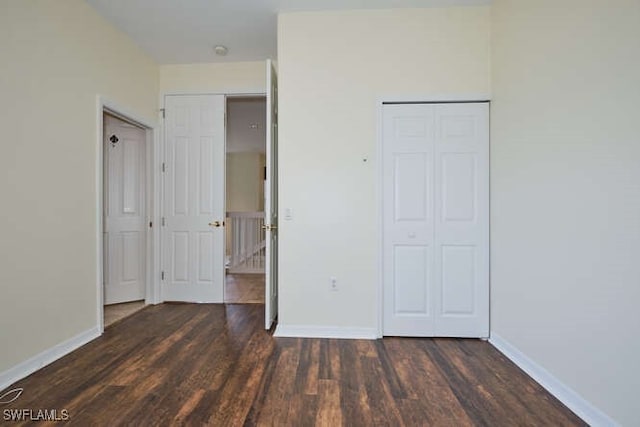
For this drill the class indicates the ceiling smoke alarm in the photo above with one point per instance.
(220, 50)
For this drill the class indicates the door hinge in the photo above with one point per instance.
(163, 221)
(164, 167)
(162, 275)
(163, 111)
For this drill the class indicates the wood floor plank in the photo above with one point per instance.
(354, 400)
(213, 364)
(244, 288)
(329, 413)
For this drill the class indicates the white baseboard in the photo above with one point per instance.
(581, 407)
(295, 331)
(54, 353)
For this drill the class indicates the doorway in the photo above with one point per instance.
(194, 221)
(124, 217)
(245, 244)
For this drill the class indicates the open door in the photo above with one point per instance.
(124, 212)
(194, 212)
(271, 200)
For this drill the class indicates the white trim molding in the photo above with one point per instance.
(302, 331)
(41, 360)
(580, 406)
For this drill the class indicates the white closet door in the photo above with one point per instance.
(462, 220)
(408, 167)
(194, 214)
(124, 215)
(436, 220)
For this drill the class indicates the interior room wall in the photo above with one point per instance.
(245, 184)
(226, 77)
(57, 56)
(566, 193)
(333, 68)
(246, 117)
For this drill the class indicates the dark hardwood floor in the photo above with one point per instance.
(214, 364)
(244, 288)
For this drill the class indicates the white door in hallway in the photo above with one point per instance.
(271, 200)
(124, 211)
(436, 219)
(194, 212)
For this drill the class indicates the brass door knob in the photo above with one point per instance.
(216, 224)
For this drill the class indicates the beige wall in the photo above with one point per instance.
(245, 189)
(229, 77)
(244, 185)
(333, 66)
(566, 192)
(246, 117)
(57, 56)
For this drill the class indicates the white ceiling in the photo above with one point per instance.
(185, 31)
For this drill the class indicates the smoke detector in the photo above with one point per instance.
(220, 50)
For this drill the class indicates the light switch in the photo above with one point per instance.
(288, 214)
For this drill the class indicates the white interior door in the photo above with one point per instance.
(271, 199)
(124, 211)
(436, 219)
(194, 212)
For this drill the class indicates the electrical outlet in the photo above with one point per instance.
(334, 284)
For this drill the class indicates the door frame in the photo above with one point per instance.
(411, 99)
(161, 145)
(152, 202)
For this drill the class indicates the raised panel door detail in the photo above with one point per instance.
(411, 280)
(410, 127)
(458, 280)
(411, 186)
(458, 127)
(130, 256)
(131, 175)
(206, 176)
(180, 252)
(207, 125)
(114, 155)
(180, 115)
(110, 255)
(458, 186)
(181, 176)
(204, 257)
